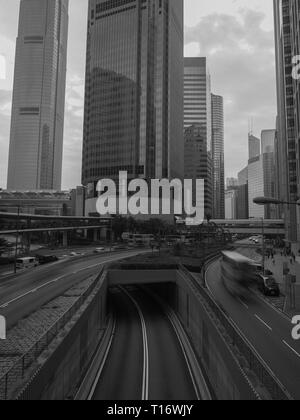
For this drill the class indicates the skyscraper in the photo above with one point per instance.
(254, 146)
(268, 156)
(134, 90)
(286, 155)
(217, 105)
(36, 140)
(197, 113)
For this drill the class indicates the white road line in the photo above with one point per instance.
(243, 303)
(145, 388)
(291, 348)
(91, 394)
(6, 304)
(263, 322)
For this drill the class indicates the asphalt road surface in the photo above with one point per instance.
(28, 291)
(123, 376)
(268, 330)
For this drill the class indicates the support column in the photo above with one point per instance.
(65, 239)
(96, 236)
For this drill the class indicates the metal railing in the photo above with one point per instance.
(17, 373)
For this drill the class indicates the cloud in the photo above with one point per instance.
(242, 65)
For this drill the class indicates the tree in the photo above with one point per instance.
(119, 226)
(4, 246)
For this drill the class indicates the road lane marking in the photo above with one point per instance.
(263, 322)
(99, 374)
(243, 303)
(145, 388)
(291, 348)
(6, 304)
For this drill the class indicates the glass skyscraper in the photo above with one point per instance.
(197, 116)
(287, 140)
(217, 106)
(36, 140)
(134, 90)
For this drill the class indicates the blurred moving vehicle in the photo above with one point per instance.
(238, 272)
(268, 286)
(26, 263)
(46, 259)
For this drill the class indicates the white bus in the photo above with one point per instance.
(25, 263)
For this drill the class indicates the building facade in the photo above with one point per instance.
(231, 204)
(197, 113)
(243, 195)
(198, 163)
(217, 106)
(286, 14)
(268, 155)
(256, 187)
(254, 146)
(37, 123)
(134, 91)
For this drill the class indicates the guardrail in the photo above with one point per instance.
(17, 372)
(256, 364)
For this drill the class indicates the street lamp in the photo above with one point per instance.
(263, 201)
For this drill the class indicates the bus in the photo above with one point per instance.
(238, 272)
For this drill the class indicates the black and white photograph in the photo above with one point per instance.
(149, 203)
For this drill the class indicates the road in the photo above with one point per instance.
(28, 291)
(268, 330)
(125, 377)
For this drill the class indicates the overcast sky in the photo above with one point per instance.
(236, 36)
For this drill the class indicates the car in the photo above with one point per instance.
(119, 247)
(99, 250)
(46, 259)
(268, 286)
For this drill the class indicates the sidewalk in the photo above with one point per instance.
(277, 270)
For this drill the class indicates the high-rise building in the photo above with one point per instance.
(231, 204)
(256, 187)
(217, 105)
(243, 195)
(198, 163)
(36, 139)
(254, 146)
(231, 183)
(134, 90)
(197, 112)
(286, 148)
(243, 176)
(268, 156)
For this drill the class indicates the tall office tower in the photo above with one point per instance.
(197, 112)
(36, 139)
(268, 156)
(134, 91)
(217, 106)
(287, 158)
(231, 183)
(256, 187)
(231, 204)
(198, 163)
(243, 195)
(254, 146)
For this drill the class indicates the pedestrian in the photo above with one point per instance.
(274, 262)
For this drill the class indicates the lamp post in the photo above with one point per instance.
(17, 240)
